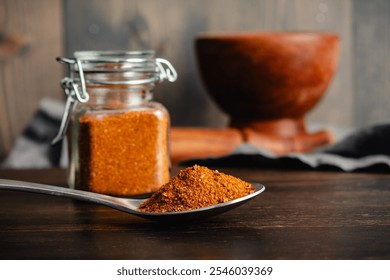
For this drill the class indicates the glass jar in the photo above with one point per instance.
(119, 143)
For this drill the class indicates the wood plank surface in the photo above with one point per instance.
(371, 56)
(301, 215)
(171, 26)
(31, 74)
(358, 95)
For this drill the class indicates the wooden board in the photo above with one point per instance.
(358, 95)
(32, 73)
(371, 61)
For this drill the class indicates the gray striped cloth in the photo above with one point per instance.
(32, 149)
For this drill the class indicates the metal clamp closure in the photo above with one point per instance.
(166, 74)
(163, 70)
(73, 94)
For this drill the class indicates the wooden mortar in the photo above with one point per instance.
(266, 83)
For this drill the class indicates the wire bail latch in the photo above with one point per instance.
(138, 68)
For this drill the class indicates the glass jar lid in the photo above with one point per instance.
(119, 67)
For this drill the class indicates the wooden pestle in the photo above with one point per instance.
(188, 143)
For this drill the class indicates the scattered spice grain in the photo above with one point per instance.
(125, 153)
(196, 187)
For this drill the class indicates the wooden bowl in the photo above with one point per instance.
(266, 76)
(266, 83)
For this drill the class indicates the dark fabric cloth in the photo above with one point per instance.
(365, 150)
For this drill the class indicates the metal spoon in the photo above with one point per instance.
(129, 205)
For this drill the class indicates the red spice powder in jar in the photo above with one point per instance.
(123, 154)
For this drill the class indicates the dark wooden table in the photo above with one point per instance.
(301, 215)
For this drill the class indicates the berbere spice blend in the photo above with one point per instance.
(196, 187)
(119, 135)
(123, 153)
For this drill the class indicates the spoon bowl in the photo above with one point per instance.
(130, 205)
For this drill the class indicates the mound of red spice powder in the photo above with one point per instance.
(196, 187)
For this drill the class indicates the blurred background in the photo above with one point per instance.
(34, 33)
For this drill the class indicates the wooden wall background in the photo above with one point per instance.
(359, 94)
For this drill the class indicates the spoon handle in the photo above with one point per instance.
(127, 205)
